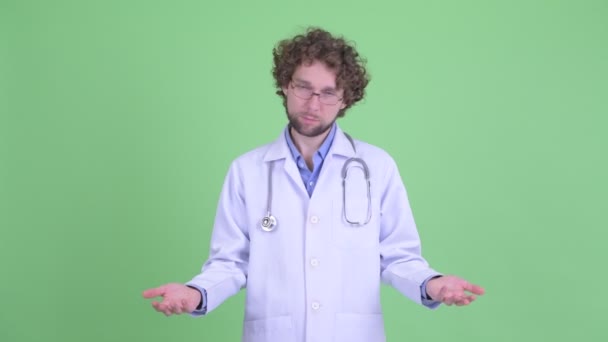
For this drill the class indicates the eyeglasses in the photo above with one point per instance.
(305, 93)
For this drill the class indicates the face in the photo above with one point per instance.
(311, 117)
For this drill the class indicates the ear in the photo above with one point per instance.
(343, 105)
(284, 90)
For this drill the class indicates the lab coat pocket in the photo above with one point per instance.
(269, 329)
(359, 327)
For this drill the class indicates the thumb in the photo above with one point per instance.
(155, 292)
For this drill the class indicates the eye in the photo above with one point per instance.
(329, 93)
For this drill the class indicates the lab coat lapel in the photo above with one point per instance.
(279, 150)
(340, 150)
(341, 145)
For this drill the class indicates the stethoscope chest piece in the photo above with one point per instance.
(269, 223)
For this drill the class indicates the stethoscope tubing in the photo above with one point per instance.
(269, 222)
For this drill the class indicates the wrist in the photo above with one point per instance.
(196, 297)
(431, 288)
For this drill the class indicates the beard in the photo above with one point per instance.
(308, 131)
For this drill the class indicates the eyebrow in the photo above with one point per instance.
(306, 83)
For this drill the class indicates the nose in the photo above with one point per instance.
(314, 103)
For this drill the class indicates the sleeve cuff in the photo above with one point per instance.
(426, 300)
(201, 309)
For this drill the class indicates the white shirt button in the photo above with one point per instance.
(314, 219)
(314, 262)
(316, 306)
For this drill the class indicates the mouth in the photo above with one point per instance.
(309, 118)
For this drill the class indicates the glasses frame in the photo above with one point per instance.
(322, 99)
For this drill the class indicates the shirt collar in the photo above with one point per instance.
(323, 149)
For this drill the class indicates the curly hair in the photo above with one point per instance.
(319, 45)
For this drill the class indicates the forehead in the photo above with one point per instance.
(315, 74)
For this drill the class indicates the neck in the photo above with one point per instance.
(307, 146)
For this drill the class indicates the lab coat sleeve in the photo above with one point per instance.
(402, 264)
(225, 272)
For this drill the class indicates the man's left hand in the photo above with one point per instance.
(453, 290)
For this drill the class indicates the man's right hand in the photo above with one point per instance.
(177, 298)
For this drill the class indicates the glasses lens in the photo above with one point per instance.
(303, 93)
(329, 99)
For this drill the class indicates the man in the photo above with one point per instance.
(312, 223)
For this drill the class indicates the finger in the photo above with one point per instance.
(448, 299)
(176, 309)
(156, 306)
(478, 290)
(458, 298)
(161, 307)
(466, 300)
(155, 292)
(463, 302)
(164, 309)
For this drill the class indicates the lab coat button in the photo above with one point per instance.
(314, 262)
(314, 219)
(315, 306)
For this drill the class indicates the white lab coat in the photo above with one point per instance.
(315, 278)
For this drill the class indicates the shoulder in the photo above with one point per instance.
(251, 162)
(381, 164)
(367, 150)
(247, 166)
(255, 155)
(274, 150)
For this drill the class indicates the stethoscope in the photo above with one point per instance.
(269, 222)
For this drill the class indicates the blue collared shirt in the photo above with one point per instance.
(310, 177)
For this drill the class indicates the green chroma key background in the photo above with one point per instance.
(118, 120)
